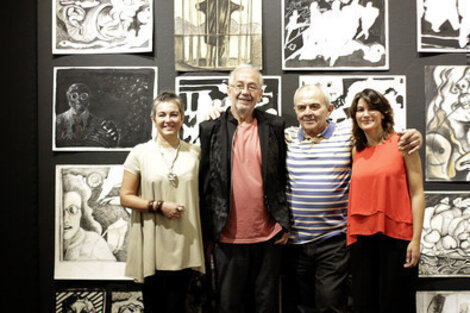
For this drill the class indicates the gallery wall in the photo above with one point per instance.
(403, 60)
(20, 279)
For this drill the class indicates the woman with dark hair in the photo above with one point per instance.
(160, 185)
(385, 213)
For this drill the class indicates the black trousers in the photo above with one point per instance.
(380, 282)
(166, 291)
(247, 277)
(316, 278)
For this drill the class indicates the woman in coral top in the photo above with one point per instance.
(385, 214)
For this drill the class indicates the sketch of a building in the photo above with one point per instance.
(445, 240)
(102, 108)
(328, 35)
(217, 34)
(443, 26)
(91, 225)
(342, 88)
(447, 94)
(201, 93)
(101, 26)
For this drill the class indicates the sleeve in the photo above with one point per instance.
(204, 183)
(132, 163)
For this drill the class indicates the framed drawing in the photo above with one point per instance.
(445, 240)
(335, 35)
(442, 301)
(102, 108)
(342, 88)
(80, 300)
(93, 26)
(217, 34)
(91, 227)
(127, 302)
(447, 97)
(443, 26)
(201, 93)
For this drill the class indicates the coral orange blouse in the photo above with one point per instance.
(379, 201)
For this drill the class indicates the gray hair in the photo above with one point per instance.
(317, 85)
(245, 66)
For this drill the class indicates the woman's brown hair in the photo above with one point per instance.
(378, 102)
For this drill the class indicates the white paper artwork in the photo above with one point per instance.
(80, 300)
(447, 96)
(445, 238)
(102, 26)
(217, 34)
(127, 302)
(335, 35)
(455, 301)
(342, 89)
(102, 108)
(201, 93)
(91, 228)
(443, 26)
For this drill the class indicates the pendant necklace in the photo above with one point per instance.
(172, 177)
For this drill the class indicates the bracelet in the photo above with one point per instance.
(150, 206)
(159, 206)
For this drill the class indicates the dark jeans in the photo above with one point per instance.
(247, 277)
(166, 291)
(316, 277)
(380, 282)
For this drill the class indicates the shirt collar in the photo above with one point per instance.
(326, 133)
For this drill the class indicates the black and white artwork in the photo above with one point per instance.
(201, 93)
(342, 89)
(443, 26)
(102, 26)
(445, 240)
(455, 301)
(217, 34)
(91, 226)
(102, 108)
(335, 35)
(80, 300)
(127, 302)
(447, 96)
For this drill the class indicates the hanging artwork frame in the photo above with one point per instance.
(335, 35)
(91, 227)
(445, 238)
(102, 108)
(97, 27)
(217, 34)
(447, 122)
(80, 300)
(443, 26)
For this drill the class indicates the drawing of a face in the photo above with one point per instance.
(438, 153)
(460, 94)
(72, 214)
(454, 92)
(78, 96)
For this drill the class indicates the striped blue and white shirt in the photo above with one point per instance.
(318, 182)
